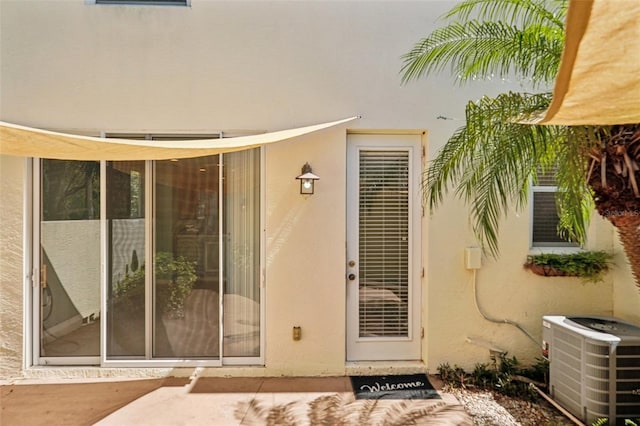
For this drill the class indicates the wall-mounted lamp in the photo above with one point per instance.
(307, 180)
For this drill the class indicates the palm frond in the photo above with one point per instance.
(534, 12)
(473, 48)
(492, 160)
(329, 409)
(251, 413)
(367, 411)
(282, 415)
(484, 50)
(403, 413)
(574, 198)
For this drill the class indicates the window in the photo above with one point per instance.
(146, 2)
(384, 242)
(181, 243)
(544, 228)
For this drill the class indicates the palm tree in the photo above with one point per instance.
(491, 161)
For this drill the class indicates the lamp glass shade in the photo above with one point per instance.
(307, 180)
(306, 186)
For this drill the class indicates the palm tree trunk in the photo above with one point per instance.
(629, 231)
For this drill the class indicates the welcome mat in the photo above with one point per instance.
(408, 386)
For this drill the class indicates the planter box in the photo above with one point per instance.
(547, 271)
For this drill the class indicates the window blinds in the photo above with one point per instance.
(384, 243)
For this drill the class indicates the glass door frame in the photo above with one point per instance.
(148, 360)
(32, 326)
(385, 348)
(34, 258)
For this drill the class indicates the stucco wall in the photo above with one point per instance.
(505, 291)
(305, 256)
(11, 284)
(262, 65)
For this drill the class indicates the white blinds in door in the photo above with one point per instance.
(384, 243)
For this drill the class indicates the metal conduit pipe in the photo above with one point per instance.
(499, 321)
(556, 405)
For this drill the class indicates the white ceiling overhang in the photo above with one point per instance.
(598, 82)
(31, 142)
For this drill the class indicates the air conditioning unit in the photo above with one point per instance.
(594, 366)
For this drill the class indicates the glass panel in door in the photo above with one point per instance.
(186, 285)
(384, 243)
(242, 254)
(126, 271)
(69, 311)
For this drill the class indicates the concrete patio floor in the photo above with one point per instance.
(213, 401)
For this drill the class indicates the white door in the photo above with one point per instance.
(383, 265)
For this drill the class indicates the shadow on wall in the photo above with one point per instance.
(59, 314)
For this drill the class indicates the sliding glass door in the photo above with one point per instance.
(182, 254)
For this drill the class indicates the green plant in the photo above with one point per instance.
(539, 371)
(492, 159)
(604, 421)
(179, 276)
(130, 290)
(588, 265)
(455, 377)
(504, 375)
(175, 278)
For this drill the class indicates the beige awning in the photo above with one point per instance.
(599, 78)
(30, 142)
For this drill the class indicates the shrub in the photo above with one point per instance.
(504, 375)
(588, 265)
(175, 278)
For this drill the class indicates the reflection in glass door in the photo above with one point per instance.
(181, 245)
(126, 294)
(69, 312)
(186, 287)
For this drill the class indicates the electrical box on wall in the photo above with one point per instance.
(472, 257)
